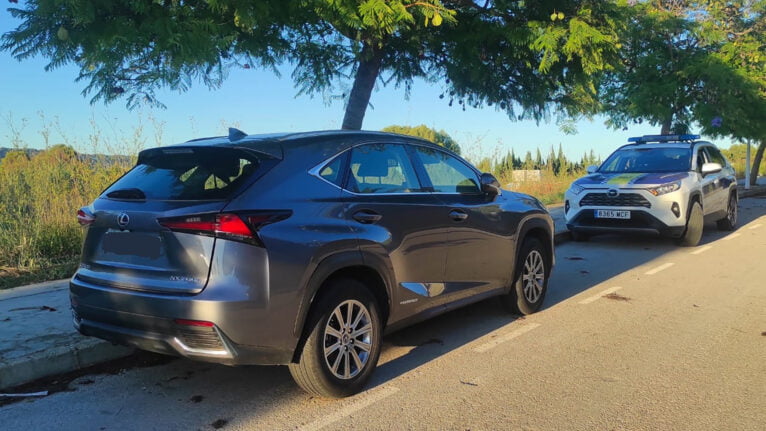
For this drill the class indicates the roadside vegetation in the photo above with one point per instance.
(42, 190)
(41, 193)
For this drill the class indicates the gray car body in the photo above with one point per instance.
(416, 259)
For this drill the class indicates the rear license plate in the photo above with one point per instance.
(612, 214)
(134, 244)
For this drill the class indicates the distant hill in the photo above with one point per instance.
(4, 151)
(92, 157)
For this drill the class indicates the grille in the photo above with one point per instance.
(200, 338)
(621, 200)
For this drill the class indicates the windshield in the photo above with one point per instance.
(647, 160)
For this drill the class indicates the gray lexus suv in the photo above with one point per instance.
(301, 249)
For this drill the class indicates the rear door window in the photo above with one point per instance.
(447, 173)
(203, 173)
(382, 168)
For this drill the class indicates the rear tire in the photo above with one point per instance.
(694, 226)
(343, 345)
(531, 282)
(730, 221)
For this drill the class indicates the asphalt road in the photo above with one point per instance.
(677, 343)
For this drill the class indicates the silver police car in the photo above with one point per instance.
(658, 184)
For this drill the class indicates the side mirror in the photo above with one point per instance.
(489, 185)
(711, 168)
(591, 169)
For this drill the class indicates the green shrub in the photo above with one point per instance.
(39, 198)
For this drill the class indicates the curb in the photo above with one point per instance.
(755, 191)
(59, 360)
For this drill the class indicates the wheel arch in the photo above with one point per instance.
(695, 197)
(367, 269)
(539, 228)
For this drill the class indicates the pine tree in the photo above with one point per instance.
(550, 163)
(529, 162)
(538, 159)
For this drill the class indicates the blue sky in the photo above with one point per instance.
(259, 102)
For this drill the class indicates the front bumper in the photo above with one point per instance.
(657, 215)
(641, 222)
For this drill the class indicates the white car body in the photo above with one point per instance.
(655, 201)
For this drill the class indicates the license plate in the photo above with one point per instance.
(129, 243)
(612, 214)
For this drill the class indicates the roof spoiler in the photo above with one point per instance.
(662, 138)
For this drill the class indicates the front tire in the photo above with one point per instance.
(342, 349)
(730, 221)
(531, 283)
(694, 226)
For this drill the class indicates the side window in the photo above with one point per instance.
(716, 156)
(331, 171)
(447, 174)
(382, 168)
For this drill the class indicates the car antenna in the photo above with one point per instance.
(236, 134)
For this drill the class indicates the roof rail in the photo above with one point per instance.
(662, 138)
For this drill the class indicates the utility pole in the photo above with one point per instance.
(747, 165)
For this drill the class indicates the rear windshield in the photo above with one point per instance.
(648, 160)
(186, 174)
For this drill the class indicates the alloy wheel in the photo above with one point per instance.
(348, 339)
(533, 276)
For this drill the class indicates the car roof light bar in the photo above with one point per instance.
(662, 138)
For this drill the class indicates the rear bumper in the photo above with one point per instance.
(149, 322)
(641, 222)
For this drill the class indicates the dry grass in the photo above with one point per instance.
(550, 190)
(39, 236)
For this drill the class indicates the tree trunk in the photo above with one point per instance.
(666, 126)
(364, 82)
(757, 162)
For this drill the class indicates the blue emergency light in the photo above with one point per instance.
(662, 138)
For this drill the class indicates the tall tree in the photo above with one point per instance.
(735, 102)
(660, 49)
(538, 159)
(529, 162)
(439, 137)
(550, 163)
(528, 58)
(691, 64)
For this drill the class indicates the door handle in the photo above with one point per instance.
(458, 215)
(367, 216)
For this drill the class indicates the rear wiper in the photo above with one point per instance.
(132, 194)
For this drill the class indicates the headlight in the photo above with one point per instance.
(665, 188)
(574, 188)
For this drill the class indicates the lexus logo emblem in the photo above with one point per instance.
(612, 193)
(122, 220)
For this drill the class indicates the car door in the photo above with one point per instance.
(398, 219)
(725, 178)
(712, 195)
(480, 249)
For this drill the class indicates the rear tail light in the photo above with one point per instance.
(85, 218)
(237, 227)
